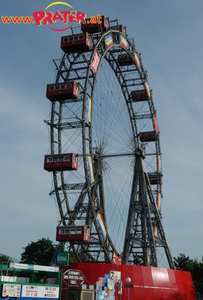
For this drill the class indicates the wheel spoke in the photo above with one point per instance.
(112, 117)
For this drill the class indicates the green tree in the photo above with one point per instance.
(197, 275)
(39, 253)
(195, 267)
(183, 262)
(3, 259)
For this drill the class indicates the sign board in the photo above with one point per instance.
(34, 267)
(128, 285)
(32, 291)
(74, 277)
(8, 278)
(13, 290)
(62, 258)
(95, 62)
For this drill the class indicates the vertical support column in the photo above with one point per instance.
(143, 219)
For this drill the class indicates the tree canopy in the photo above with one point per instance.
(40, 252)
(183, 262)
(3, 259)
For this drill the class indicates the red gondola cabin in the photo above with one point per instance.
(63, 91)
(61, 162)
(76, 43)
(155, 178)
(139, 95)
(73, 233)
(125, 60)
(88, 26)
(121, 28)
(149, 136)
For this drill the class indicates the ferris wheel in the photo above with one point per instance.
(103, 126)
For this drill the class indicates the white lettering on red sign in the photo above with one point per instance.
(95, 62)
(73, 277)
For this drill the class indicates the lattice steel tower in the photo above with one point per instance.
(144, 230)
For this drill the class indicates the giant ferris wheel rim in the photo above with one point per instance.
(129, 103)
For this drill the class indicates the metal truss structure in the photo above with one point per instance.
(112, 181)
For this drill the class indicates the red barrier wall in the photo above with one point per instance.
(147, 282)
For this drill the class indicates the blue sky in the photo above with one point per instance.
(170, 37)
